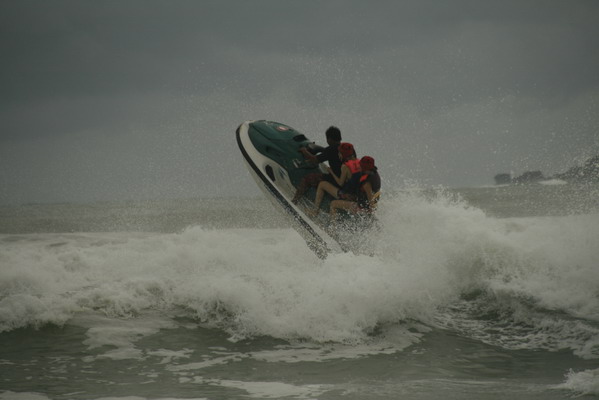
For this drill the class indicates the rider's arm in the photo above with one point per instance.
(308, 156)
(367, 187)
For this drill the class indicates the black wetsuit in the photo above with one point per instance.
(331, 154)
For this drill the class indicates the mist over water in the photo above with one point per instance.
(441, 266)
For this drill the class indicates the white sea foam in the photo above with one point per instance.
(8, 395)
(552, 182)
(582, 383)
(266, 282)
(146, 398)
(120, 336)
(268, 390)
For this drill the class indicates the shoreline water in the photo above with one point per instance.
(174, 215)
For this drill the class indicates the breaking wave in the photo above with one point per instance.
(515, 282)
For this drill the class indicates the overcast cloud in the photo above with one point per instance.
(103, 100)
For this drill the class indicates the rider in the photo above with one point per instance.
(367, 195)
(346, 184)
(330, 154)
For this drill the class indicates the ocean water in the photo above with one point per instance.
(479, 293)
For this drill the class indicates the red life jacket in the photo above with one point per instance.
(352, 185)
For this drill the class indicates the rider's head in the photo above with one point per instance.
(367, 163)
(346, 150)
(333, 135)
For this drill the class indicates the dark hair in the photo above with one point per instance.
(333, 133)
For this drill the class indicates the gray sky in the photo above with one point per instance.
(103, 100)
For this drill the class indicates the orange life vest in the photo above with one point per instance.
(351, 186)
